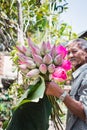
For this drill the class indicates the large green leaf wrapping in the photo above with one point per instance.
(31, 116)
(33, 93)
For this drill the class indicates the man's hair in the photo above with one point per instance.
(81, 43)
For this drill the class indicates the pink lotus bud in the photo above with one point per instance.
(23, 66)
(30, 64)
(23, 57)
(21, 62)
(47, 59)
(59, 74)
(35, 49)
(54, 51)
(24, 48)
(58, 60)
(38, 59)
(30, 42)
(51, 68)
(62, 50)
(66, 65)
(28, 52)
(33, 73)
(43, 48)
(48, 46)
(43, 68)
(21, 49)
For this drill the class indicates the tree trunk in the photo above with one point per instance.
(20, 23)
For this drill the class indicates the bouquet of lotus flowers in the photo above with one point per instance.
(41, 64)
(46, 61)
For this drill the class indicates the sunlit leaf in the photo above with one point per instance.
(33, 93)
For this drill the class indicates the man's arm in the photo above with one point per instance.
(76, 107)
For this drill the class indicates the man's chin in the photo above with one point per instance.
(73, 67)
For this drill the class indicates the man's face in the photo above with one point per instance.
(76, 56)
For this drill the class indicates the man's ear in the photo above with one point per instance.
(86, 59)
(86, 55)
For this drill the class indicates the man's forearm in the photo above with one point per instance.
(75, 107)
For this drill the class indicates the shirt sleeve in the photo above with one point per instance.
(83, 94)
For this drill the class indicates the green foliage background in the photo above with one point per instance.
(40, 20)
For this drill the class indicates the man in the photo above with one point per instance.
(76, 101)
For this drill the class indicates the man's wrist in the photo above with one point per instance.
(63, 95)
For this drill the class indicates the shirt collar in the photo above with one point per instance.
(79, 70)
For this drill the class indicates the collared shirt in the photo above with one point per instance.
(79, 93)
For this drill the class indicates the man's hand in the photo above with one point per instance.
(53, 89)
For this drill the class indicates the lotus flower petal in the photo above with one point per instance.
(30, 43)
(34, 49)
(48, 48)
(59, 74)
(20, 62)
(23, 66)
(24, 48)
(51, 68)
(48, 45)
(47, 59)
(58, 60)
(33, 73)
(20, 56)
(43, 48)
(30, 64)
(21, 49)
(62, 50)
(54, 51)
(66, 65)
(28, 52)
(43, 68)
(38, 59)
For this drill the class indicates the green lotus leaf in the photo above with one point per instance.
(33, 93)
